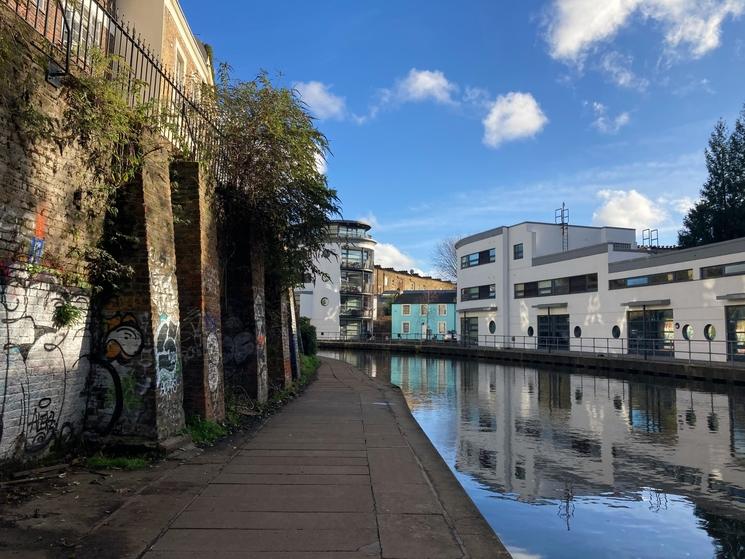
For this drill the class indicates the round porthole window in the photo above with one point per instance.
(616, 331)
(324, 301)
(688, 332)
(492, 327)
(530, 331)
(577, 332)
(710, 332)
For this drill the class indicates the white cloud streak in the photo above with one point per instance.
(513, 116)
(690, 27)
(322, 103)
(389, 256)
(608, 124)
(618, 69)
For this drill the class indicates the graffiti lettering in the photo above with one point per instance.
(168, 367)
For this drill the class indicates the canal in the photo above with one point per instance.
(573, 465)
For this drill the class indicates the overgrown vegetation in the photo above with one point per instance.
(66, 314)
(103, 461)
(204, 432)
(272, 193)
(720, 213)
(308, 336)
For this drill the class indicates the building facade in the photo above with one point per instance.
(390, 280)
(424, 315)
(340, 301)
(164, 28)
(594, 289)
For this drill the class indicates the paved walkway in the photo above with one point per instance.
(342, 472)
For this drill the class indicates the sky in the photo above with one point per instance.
(448, 118)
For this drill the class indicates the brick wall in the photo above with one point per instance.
(43, 367)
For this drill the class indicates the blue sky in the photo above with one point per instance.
(449, 118)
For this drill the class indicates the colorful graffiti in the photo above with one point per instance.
(44, 366)
(167, 362)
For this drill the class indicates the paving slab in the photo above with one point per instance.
(344, 472)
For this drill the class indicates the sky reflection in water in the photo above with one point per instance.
(575, 465)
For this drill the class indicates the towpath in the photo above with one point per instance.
(343, 472)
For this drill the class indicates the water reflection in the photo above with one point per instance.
(574, 465)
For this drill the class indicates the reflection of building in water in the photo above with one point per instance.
(540, 435)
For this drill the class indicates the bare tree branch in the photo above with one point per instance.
(445, 259)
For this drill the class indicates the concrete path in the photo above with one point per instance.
(342, 472)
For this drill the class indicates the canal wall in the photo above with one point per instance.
(667, 368)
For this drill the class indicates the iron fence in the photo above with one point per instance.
(721, 352)
(75, 30)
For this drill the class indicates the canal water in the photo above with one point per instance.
(573, 465)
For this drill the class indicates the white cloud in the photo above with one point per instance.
(321, 164)
(322, 103)
(608, 124)
(629, 208)
(618, 68)
(578, 26)
(425, 85)
(513, 116)
(389, 256)
(370, 219)
(477, 96)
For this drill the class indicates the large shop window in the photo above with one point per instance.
(477, 293)
(651, 332)
(736, 332)
(553, 331)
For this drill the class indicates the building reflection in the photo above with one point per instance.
(549, 437)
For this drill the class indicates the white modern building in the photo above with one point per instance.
(594, 289)
(339, 302)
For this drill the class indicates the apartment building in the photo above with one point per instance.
(424, 315)
(594, 289)
(340, 301)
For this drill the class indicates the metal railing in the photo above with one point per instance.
(720, 352)
(75, 30)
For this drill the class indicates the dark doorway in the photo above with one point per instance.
(651, 332)
(469, 328)
(553, 332)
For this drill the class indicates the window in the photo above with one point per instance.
(651, 331)
(492, 327)
(616, 331)
(442, 327)
(406, 310)
(180, 67)
(477, 293)
(577, 331)
(478, 258)
(710, 332)
(517, 251)
(587, 283)
(406, 327)
(652, 279)
(423, 309)
(688, 332)
(442, 310)
(734, 269)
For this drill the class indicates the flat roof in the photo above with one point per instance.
(499, 230)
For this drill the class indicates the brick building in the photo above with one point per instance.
(389, 279)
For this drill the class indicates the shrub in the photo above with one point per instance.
(308, 336)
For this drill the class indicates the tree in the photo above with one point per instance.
(720, 213)
(445, 258)
(270, 189)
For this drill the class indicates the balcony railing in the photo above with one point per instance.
(74, 30)
(355, 313)
(356, 264)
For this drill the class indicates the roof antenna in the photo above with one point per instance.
(561, 217)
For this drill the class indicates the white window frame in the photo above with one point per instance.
(442, 310)
(406, 310)
(442, 327)
(406, 327)
(423, 310)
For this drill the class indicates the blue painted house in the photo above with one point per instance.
(418, 315)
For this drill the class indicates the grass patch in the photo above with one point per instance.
(102, 462)
(204, 432)
(308, 365)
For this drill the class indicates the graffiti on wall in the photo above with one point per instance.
(167, 364)
(44, 366)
